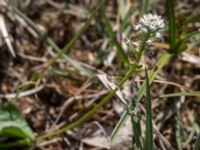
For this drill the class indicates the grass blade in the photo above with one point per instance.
(197, 143)
(194, 123)
(181, 44)
(167, 114)
(145, 6)
(191, 19)
(197, 93)
(125, 24)
(178, 133)
(136, 132)
(149, 128)
(188, 36)
(122, 8)
(114, 40)
(172, 25)
(138, 96)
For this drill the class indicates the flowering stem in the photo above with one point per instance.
(134, 120)
(142, 50)
(132, 70)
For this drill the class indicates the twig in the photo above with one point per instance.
(5, 35)
(22, 94)
(72, 99)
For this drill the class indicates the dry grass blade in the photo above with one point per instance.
(111, 86)
(77, 97)
(5, 35)
(61, 52)
(22, 94)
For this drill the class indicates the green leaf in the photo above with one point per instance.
(13, 124)
(149, 126)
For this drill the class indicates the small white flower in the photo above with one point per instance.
(161, 23)
(152, 27)
(158, 35)
(144, 30)
(136, 44)
(153, 22)
(149, 41)
(137, 27)
(143, 22)
(149, 26)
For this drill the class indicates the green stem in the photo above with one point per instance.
(131, 71)
(142, 49)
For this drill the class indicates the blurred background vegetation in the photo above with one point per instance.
(51, 51)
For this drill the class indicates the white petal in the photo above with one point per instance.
(144, 30)
(149, 41)
(152, 27)
(137, 27)
(158, 35)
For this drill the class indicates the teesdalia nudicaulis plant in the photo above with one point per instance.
(148, 30)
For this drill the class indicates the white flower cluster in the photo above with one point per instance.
(150, 24)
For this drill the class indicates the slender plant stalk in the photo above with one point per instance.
(143, 48)
(131, 71)
(136, 143)
(138, 96)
